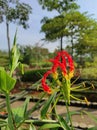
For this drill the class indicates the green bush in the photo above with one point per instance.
(46, 64)
(41, 64)
(33, 75)
(89, 72)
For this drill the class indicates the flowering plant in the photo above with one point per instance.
(56, 82)
(62, 71)
(18, 116)
(60, 87)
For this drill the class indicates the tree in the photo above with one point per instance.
(33, 54)
(87, 42)
(15, 12)
(63, 7)
(79, 28)
(26, 54)
(70, 26)
(59, 5)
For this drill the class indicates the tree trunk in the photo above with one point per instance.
(8, 38)
(61, 45)
(72, 46)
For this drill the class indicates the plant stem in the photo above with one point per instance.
(10, 116)
(67, 108)
(53, 111)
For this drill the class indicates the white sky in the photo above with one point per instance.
(32, 35)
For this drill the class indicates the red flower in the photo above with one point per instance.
(65, 62)
(55, 64)
(44, 85)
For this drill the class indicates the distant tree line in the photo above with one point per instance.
(76, 30)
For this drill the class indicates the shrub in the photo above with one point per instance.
(33, 75)
(46, 64)
(89, 72)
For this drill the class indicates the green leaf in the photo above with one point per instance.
(25, 106)
(63, 123)
(49, 125)
(15, 54)
(71, 113)
(7, 128)
(32, 127)
(93, 128)
(91, 116)
(7, 83)
(66, 90)
(20, 113)
(3, 122)
(47, 105)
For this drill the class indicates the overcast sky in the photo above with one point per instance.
(32, 35)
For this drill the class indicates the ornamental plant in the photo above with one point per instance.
(56, 82)
(62, 71)
(18, 116)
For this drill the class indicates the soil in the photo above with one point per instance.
(21, 86)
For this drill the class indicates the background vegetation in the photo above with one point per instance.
(70, 26)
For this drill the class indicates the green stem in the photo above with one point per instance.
(10, 116)
(67, 108)
(53, 106)
(53, 111)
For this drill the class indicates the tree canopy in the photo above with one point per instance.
(16, 12)
(59, 5)
(78, 28)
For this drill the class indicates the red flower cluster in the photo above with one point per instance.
(65, 62)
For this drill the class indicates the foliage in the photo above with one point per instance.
(53, 29)
(79, 29)
(14, 12)
(60, 6)
(46, 64)
(87, 42)
(4, 59)
(56, 31)
(33, 75)
(89, 73)
(33, 54)
(26, 54)
(94, 118)
(17, 116)
(60, 88)
(7, 82)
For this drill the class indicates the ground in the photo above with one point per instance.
(79, 119)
